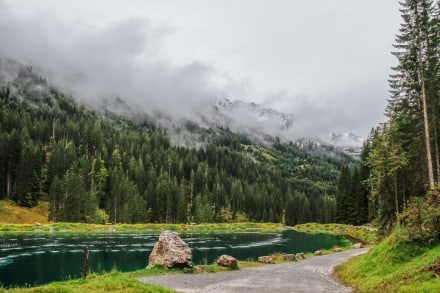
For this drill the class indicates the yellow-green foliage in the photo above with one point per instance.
(10, 212)
(393, 266)
(143, 228)
(357, 233)
(260, 152)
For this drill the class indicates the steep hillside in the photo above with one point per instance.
(10, 212)
(83, 160)
(394, 266)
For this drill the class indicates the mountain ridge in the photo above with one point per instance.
(261, 124)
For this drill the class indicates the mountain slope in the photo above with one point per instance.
(83, 160)
(10, 212)
(261, 124)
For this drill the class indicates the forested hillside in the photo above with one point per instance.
(84, 161)
(398, 179)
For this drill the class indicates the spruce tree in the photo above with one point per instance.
(414, 84)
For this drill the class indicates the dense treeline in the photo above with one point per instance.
(401, 159)
(85, 162)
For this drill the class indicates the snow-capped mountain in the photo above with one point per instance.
(257, 119)
(259, 115)
(345, 139)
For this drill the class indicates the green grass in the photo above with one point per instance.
(393, 266)
(108, 282)
(10, 212)
(142, 228)
(353, 232)
(115, 281)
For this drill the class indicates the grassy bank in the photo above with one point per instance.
(10, 212)
(142, 228)
(122, 282)
(394, 266)
(108, 282)
(363, 234)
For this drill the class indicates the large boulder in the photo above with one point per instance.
(170, 251)
(227, 261)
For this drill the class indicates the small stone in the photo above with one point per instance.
(300, 255)
(201, 269)
(337, 249)
(358, 245)
(265, 259)
(227, 261)
(318, 252)
(289, 257)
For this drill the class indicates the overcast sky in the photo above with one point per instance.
(325, 61)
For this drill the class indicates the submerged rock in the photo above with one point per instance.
(170, 251)
(227, 261)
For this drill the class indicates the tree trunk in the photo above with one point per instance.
(396, 202)
(437, 158)
(427, 138)
(116, 203)
(8, 185)
(421, 66)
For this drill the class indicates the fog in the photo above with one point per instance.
(326, 62)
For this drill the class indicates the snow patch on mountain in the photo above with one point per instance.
(260, 123)
(345, 139)
(256, 114)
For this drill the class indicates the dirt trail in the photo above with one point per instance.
(309, 275)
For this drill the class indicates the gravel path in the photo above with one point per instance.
(309, 275)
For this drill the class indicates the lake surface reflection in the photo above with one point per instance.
(36, 259)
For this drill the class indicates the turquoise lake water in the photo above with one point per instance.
(28, 260)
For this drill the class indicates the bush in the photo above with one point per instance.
(422, 219)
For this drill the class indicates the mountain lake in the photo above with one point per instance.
(34, 259)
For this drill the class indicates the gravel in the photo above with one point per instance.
(309, 275)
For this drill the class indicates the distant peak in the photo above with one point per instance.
(239, 110)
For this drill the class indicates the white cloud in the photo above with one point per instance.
(329, 59)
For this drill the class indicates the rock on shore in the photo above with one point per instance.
(170, 251)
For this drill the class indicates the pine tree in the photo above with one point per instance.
(74, 201)
(343, 198)
(416, 76)
(386, 159)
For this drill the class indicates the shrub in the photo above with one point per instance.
(422, 219)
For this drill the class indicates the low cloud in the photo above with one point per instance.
(130, 57)
(119, 59)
